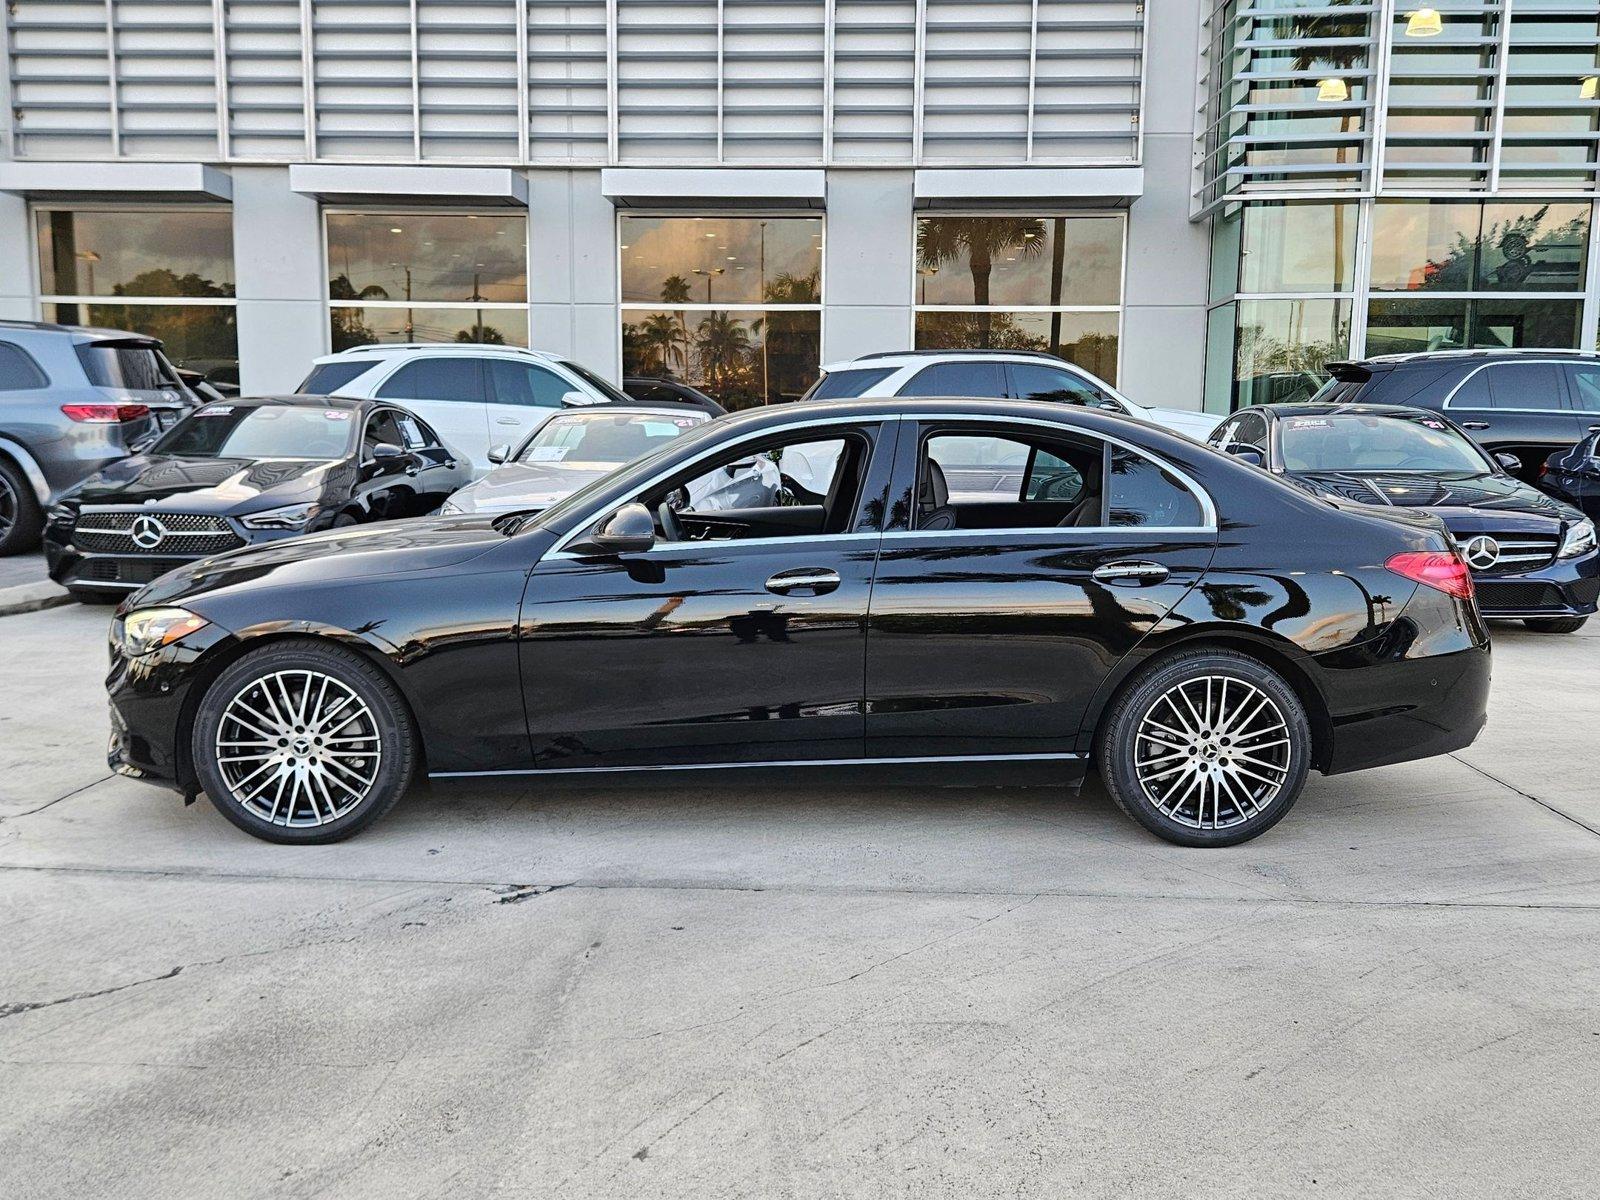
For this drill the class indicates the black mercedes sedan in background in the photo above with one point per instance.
(1199, 631)
(1573, 475)
(243, 472)
(1533, 558)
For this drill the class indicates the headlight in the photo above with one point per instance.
(292, 516)
(148, 629)
(452, 506)
(1580, 539)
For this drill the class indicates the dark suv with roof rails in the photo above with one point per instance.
(1527, 403)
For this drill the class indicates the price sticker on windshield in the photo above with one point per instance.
(1310, 423)
(220, 410)
(545, 454)
(334, 414)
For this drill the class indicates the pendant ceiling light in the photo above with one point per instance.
(1333, 91)
(1590, 88)
(1425, 22)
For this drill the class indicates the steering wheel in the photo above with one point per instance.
(671, 527)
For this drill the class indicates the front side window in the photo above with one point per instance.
(1365, 442)
(265, 431)
(163, 273)
(457, 380)
(524, 384)
(1030, 381)
(729, 305)
(427, 277)
(1022, 282)
(383, 429)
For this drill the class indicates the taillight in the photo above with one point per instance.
(1442, 569)
(106, 414)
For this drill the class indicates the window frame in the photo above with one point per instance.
(1565, 407)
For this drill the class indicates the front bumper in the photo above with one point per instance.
(150, 708)
(73, 566)
(1566, 588)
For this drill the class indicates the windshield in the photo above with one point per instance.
(1369, 442)
(271, 431)
(598, 437)
(598, 384)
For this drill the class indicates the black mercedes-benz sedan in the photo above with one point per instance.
(1533, 558)
(1117, 596)
(244, 472)
(1573, 475)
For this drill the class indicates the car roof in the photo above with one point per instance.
(354, 404)
(877, 408)
(631, 410)
(1303, 409)
(91, 333)
(395, 349)
(1352, 367)
(902, 358)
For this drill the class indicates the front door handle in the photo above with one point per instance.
(506, 421)
(815, 581)
(1131, 572)
(1474, 424)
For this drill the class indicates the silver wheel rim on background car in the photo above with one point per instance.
(1212, 752)
(298, 748)
(9, 506)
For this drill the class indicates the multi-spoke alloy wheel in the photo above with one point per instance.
(1206, 748)
(21, 522)
(303, 742)
(1212, 752)
(298, 748)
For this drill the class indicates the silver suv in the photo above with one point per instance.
(71, 400)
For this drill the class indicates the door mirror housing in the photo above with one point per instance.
(629, 530)
(389, 459)
(499, 453)
(1509, 462)
(576, 400)
(1246, 453)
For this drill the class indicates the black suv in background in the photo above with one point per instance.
(1523, 402)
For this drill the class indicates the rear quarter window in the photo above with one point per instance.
(18, 371)
(844, 385)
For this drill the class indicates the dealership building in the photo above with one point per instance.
(1202, 202)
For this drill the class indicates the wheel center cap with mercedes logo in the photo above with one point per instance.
(147, 532)
(1481, 552)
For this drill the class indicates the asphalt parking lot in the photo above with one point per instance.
(814, 993)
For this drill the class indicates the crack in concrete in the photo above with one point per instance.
(51, 803)
(11, 1010)
(1544, 804)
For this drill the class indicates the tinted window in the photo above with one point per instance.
(1585, 384)
(1147, 495)
(839, 385)
(135, 368)
(436, 379)
(1369, 442)
(1031, 382)
(330, 377)
(521, 383)
(18, 372)
(417, 435)
(651, 393)
(979, 379)
(1251, 429)
(594, 381)
(1516, 385)
(384, 427)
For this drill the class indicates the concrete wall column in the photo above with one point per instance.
(16, 259)
(1164, 321)
(572, 269)
(867, 272)
(281, 279)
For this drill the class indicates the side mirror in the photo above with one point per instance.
(499, 453)
(1246, 453)
(629, 530)
(1508, 462)
(387, 459)
(576, 400)
(1109, 405)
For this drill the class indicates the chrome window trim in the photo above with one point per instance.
(1532, 362)
(1208, 509)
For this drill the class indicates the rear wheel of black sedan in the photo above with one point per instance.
(1207, 748)
(1555, 624)
(303, 742)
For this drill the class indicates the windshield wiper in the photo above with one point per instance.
(511, 523)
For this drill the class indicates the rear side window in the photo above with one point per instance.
(983, 380)
(453, 379)
(18, 371)
(1147, 496)
(330, 377)
(133, 368)
(843, 385)
(1535, 386)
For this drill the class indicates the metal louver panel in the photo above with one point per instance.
(875, 91)
(264, 57)
(568, 72)
(364, 99)
(469, 97)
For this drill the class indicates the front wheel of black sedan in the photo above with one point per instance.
(1207, 748)
(303, 743)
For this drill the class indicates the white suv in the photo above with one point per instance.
(996, 374)
(475, 396)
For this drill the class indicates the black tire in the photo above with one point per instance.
(93, 596)
(1556, 624)
(1150, 696)
(21, 518)
(385, 714)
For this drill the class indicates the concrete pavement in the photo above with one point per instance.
(814, 993)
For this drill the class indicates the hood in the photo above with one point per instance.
(207, 485)
(1458, 498)
(523, 485)
(354, 553)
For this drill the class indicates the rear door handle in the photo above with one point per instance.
(1131, 572)
(1474, 424)
(817, 581)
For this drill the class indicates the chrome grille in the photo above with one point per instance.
(1519, 552)
(112, 532)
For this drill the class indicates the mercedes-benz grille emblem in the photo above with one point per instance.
(147, 532)
(1481, 552)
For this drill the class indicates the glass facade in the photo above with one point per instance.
(1022, 283)
(427, 277)
(730, 305)
(164, 273)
